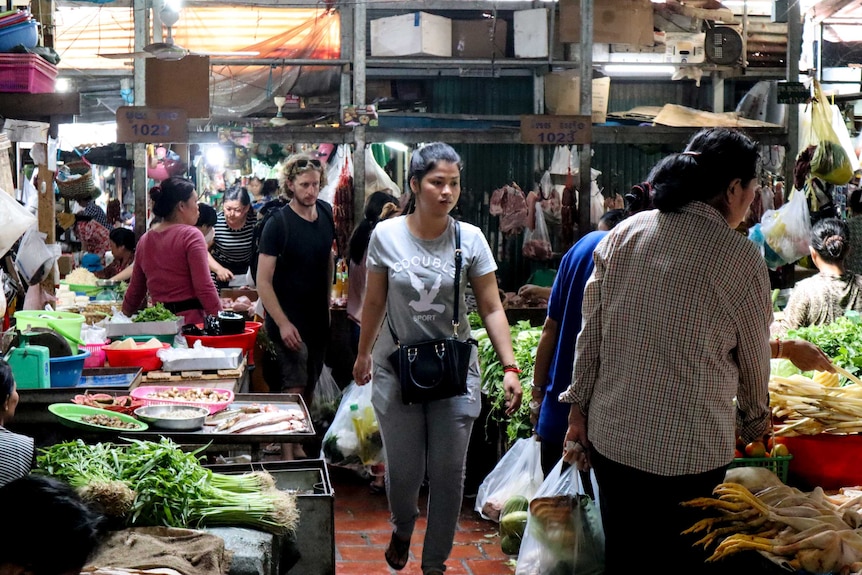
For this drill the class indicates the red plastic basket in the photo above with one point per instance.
(143, 392)
(27, 73)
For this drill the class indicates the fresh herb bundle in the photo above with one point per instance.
(148, 483)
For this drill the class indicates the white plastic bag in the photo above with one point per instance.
(564, 531)
(376, 178)
(519, 472)
(34, 259)
(353, 440)
(336, 161)
(14, 221)
(787, 230)
(561, 161)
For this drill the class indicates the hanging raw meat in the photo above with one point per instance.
(568, 213)
(509, 203)
(342, 211)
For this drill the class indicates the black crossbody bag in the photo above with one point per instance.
(437, 368)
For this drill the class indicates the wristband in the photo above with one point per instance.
(512, 367)
(535, 406)
(780, 344)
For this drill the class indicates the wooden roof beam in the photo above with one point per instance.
(828, 8)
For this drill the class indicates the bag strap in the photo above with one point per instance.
(455, 322)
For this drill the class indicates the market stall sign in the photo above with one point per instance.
(556, 130)
(140, 124)
(792, 93)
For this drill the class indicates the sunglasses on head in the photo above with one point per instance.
(302, 164)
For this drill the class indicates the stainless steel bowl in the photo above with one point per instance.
(155, 416)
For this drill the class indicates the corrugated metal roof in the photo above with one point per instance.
(82, 32)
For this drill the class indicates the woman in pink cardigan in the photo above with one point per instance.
(171, 258)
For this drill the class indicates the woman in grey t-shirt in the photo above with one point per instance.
(410, 280)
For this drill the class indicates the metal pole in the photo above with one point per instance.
(584, 185)
(359, 42)
(139, 151)
(794, 48)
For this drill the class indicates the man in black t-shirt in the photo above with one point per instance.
(294, 277)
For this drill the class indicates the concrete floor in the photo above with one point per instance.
(362, 532)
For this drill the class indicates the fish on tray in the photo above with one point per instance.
(267, 419)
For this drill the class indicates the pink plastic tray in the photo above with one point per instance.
(143, 392)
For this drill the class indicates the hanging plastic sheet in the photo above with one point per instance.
(238, 90)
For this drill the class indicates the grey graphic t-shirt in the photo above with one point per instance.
(421, 276)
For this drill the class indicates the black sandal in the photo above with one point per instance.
(398, 552)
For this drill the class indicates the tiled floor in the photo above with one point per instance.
(362, 531)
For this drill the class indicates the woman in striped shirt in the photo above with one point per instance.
(231, 251)
(17, 451)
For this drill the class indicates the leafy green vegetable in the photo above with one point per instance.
(475, 320)
(841, 340)
(525, 340)
(157, 312)
(167, 486)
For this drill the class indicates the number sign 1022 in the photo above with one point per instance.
(140, 124)
(556, 130)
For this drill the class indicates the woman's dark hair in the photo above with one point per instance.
(73, 529)
(169, 193)
(362, 234)
(702, 173)
(612, 217)
(854, 201)
(239, 194)
(425, 159)
(270, 187)
(7, 381)
(207, 215)
(123, 237)
(830, 238)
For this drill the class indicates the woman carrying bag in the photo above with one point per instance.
(413, 287)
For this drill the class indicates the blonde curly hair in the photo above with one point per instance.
(292, 168)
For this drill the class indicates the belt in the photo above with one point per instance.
(183, 305)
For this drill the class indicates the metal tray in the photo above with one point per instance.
(231, 361)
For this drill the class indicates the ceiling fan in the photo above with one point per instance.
(167, 50)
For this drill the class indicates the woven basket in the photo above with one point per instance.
(80, 188)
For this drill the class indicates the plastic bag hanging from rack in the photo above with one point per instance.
(342, 158)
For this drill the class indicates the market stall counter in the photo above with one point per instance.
(248, 421)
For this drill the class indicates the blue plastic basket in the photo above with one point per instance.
(66, 371)
(25, 33)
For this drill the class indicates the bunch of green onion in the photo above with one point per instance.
(151, 483)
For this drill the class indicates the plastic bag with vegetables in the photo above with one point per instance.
(353, 440)
(564, 531)
(830, 162)
(787, 230)
(519, 472)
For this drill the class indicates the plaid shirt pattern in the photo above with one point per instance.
(676, 325)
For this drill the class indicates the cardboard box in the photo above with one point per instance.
(563, 95)
(531, 33)
(415, 34)
(161, 84)
(479, 38)
(614, 22)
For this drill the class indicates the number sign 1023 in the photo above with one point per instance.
(556, 130)
(140, 124)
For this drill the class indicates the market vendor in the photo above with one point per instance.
(17, 452)
(231, 250)
(171, 259)
(123, 244)
(833, 291)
